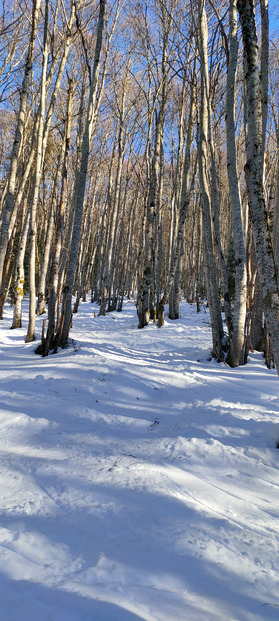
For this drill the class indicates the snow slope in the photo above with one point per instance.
(138, 478)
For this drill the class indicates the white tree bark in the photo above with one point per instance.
(35, 197)
(145, 297)
(188, 177)
(210, 264)
(80, 181)
(20, 276)
(253, 172)
(264, 71)
(107, 283)
(9, 202)
(276, 214)
(236, 355)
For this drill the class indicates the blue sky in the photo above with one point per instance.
(274, 15)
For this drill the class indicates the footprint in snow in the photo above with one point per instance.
(154, 424)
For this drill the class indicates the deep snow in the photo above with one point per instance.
(138, 479)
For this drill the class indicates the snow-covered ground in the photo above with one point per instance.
(139, 480)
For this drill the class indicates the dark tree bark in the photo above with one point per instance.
(253, 172)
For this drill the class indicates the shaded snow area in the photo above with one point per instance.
(138, 478)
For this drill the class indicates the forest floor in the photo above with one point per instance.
(139, 479)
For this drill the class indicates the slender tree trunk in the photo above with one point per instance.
(210, 264)
(185, 196)
(59, 235)
(106, 237)
(253, 173)
(42, 286)
(128, 264)
(197, 261)
(145, 293)
(49, 115)
(111, 244)
(96, 284)
(159, 259)
(276, 213)
(34, 203)
(215, 208)
(119, 245)
(176, 289)
(7, 272)
(17, 146)
(145, 297)
(20, 277)
(80, 183)
(236, 355)
(264, 71)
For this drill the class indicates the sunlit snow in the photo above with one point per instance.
(139, 479)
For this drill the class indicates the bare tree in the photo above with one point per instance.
(36, 187)
(80, 181)
(18, 140)
(203, 154)
(253, 173)
(237, 351)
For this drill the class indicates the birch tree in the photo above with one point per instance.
(145, 297)
(80, 182)
(237, 351)
(20, 272)
(36, 187)
(114, 200)
(18, 140)
(203, 156)
(183, 199)
(253, 173)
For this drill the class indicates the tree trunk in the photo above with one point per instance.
(80, 183)
(145, 297)
(176, 291)
(59, 235)
(115, 209)
(15, 156)
(276, 214)
(184, 199)
(20, 278)
(35, 197)
(236, 354)
(210, 263)
(253, 173)
(42, 286)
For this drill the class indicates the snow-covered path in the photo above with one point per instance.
(138, 479)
